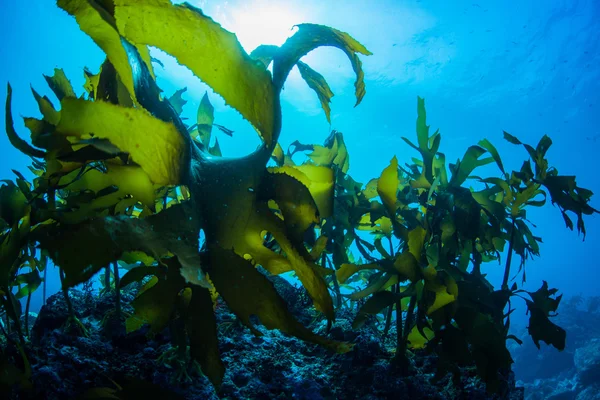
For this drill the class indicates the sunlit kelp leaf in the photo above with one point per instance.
(27, 283)
(10, 246)
(278, 156)
(13, 137)
(526, 196)
(486, 144)
(427, 146)
(309, 37)
(91, 83)
(51, 115)
(99, 24)
(310, 274)
(155, 305)
(416, 241)
(445, 293)
(317, 83)
(130, 182)
(155, 145)
(569, 197)
(370, 190)
(98, 149)
(247, 292)
(318, 180)
(387, 187)
(177, 101)
(215, 149)
(13, 203)
(347, 270)
(138, 273)
(319, 247)
(208, 50)
(202, 332)
(469, 162)
(294, 200)
(85, 248)
(376, 304)
(41, 133)
(383, 282)
(408, 267)
(382, 224)
(332, 153)
(487, 199)
(205, 117)
(416, 338)
(239, 188)
(540, 327)
(264, 53)
(59, 84)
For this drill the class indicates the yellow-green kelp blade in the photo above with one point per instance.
(211, 52)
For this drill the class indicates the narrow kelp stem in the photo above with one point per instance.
(409, 316)
(27, 314)
(28, 302)
(117, 291)
(336, 285)
(61, 273)
(4, 332)
(65, 291)
(12, 311)
(388, 320)
(509, 256)
(400, 349)
(44, 285)
(107, 278)
(8, 328)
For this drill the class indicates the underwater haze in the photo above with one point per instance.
(483, 68)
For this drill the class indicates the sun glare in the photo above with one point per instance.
(263, 22)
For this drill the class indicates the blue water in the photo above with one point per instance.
(530, 68)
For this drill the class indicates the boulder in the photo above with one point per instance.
(587, 362)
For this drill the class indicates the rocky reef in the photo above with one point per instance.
(572, 374)
(271, 366)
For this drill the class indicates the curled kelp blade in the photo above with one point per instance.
(309, 37)
(314, 80)
(13, 137)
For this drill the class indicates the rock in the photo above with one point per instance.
(590, 393)
(587, 362)
(271, 366)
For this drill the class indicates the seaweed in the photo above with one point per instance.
(444, 233)
(123, 182)
(108, 157)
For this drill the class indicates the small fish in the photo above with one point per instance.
(593, 138)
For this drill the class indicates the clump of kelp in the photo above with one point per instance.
(122, 180)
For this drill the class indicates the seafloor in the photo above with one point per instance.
(272, 366)
(276, 366)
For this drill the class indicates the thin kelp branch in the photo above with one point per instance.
(509, 255)
(118, 312)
